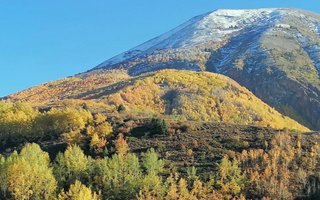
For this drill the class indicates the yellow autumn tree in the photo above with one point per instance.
(230, 179)
(78, 191)
(30, 175)
(121, 145)
(71, 165)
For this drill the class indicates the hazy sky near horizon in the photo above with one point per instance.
(43, 40)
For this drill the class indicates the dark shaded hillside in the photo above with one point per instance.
(203, 144)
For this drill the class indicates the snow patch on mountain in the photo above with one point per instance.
(210, 27)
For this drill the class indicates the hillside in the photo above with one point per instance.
(200, 96)
(273, 52)
(184, 95)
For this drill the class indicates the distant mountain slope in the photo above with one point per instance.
(69, 88)
(273, 52)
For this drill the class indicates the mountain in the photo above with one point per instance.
(273, 52)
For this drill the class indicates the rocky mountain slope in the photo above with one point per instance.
(273, 52)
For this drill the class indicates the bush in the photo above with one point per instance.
(158, 126)
(121, 108)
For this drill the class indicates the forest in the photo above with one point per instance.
(96, 161)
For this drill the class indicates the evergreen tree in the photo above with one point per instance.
(151, 162)
(158, 126)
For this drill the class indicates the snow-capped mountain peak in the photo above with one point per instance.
(210, 27)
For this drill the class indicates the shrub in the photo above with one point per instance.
(158, 126)
(121, 108)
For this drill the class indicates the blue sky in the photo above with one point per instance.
(44, 40)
